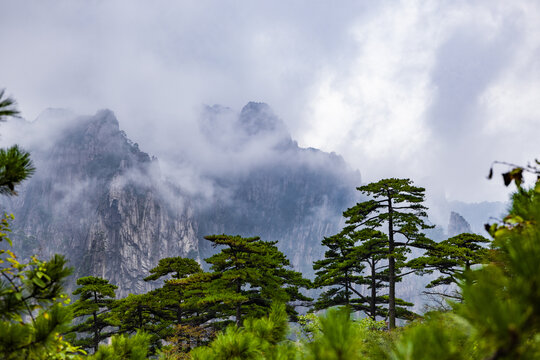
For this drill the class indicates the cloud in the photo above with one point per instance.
(412, 101)
(424, 89)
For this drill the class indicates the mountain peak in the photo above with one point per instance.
(106, 114)
(258, 117)
(458, 225)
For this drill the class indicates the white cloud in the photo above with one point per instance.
(372, 111)
(428, 93)
(420, 89)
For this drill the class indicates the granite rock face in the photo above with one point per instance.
(458, 225)
(291, 195)
(101, 201)
(95, 199)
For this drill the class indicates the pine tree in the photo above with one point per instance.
(357, 258)
(372, 250)
(339, 271)
(396, 207)
(171, 297)
(142, 312)
(32, 299)
(451, 258)
(249, 275)
(195, 289)
(124, 347)
(96, 296)
(15, 164)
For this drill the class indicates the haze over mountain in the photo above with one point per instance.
(115, 210)
(431, 90)
(103, 202)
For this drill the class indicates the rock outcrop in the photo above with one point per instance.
(95, 198)
(457, 225)
(101, 201)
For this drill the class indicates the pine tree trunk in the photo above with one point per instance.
(179, 315)
(96, 332)
(391, 269)
(373, 301)
(347, 288)
(238, 306)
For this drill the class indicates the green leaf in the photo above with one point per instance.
(38, 282)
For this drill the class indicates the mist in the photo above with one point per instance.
(420, 89)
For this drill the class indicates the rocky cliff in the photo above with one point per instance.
(290, 194)
(101, 201)
(457, 225)
(96, 199)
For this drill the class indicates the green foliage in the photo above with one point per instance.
(143, 312)
(508, 323)
(309, 327)
(177, 266)
(451, 258)
(397, 206)
(185, 338)
(357, 258)
(32, 311)
(249, 275)
(159, 311)
(170, 302)
(124, 347)
(339, 271)
(336, 336)
(499, 316)
(8, 106)
(197, 308)
(443, 336)
(96, 296)
(15, 166)
(363, 255)
(234, 343)
(262, 338)
(339, 338)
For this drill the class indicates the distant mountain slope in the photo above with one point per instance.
(478, 214)
(291, 194)
(101, 201)
(95, 199)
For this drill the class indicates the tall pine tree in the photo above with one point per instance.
(396, 207)
(172, 297)
(356, 259)
(251, 274)
(96, 296)
(339, 272)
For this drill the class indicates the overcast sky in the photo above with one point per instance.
(431, 90)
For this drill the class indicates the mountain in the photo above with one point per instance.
(95, 198)
(105, 204)
(479, 214)
(293, 195)
(457, 225)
